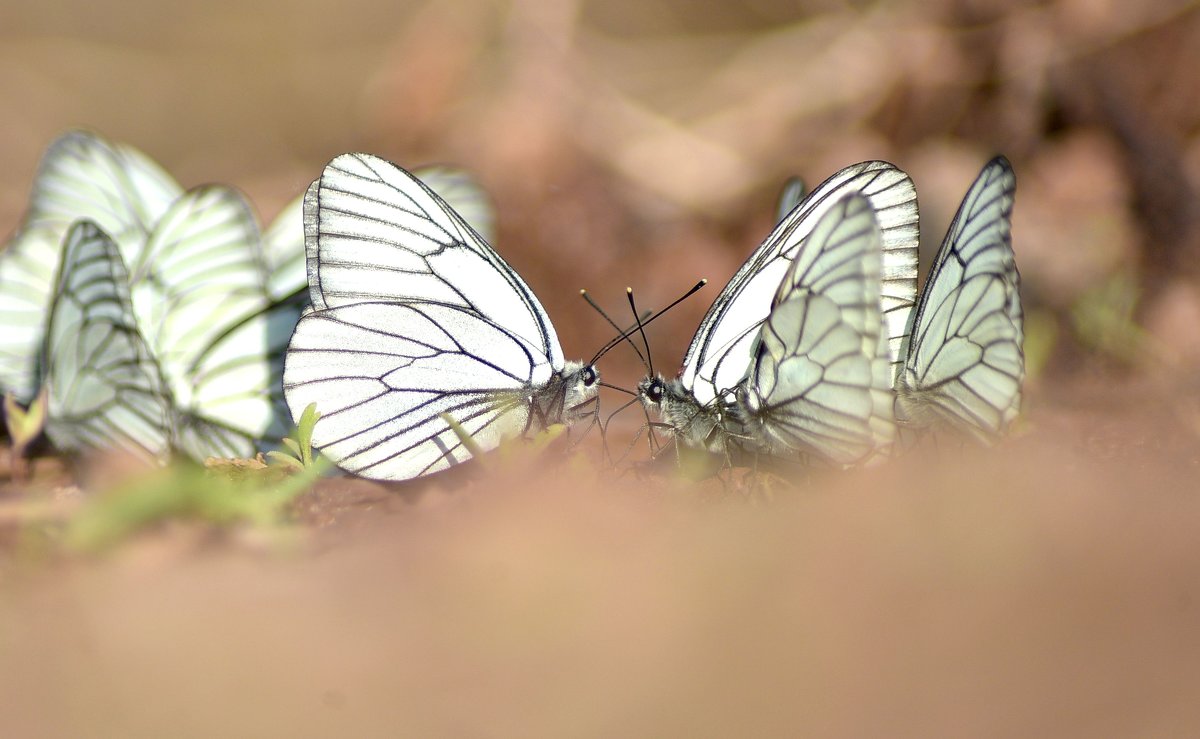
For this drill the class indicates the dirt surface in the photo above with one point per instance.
(1045, 587)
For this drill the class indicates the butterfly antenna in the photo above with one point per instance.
(621, 333)
(626, 334)
(641, 328)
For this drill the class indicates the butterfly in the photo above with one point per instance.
(735, 368)
(816, 386)
(196, 282)
(104, 388)
(81, 176)
(963, 363)
(415, 318)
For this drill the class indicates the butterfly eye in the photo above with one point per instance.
(589, 377)
(655, 391)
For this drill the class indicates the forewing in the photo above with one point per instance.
(121, 190)
(965, 363)
(375, 233)
(721, 352)
(203, 274)
(382, 373)
(283, 240)
(104, 388)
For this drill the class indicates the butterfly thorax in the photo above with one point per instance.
(694, 425)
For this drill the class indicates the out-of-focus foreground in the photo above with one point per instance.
(1044, 587)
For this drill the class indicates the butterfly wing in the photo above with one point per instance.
(283, 251)
(104, 388)
(81, 176)
(965, 362)
(382, 373)
(464, 196)
(236, 398)
(819, 382)
(283, 240)
(721, 351)
(201, 301)
(373, 232)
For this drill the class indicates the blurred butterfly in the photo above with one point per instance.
(964, 363)
(81, 176)
(201, 301)
(104, 389)
(414, 316)
(768, 371)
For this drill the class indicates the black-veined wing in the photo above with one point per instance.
(720, 352)
(81, 176)
(201, 300)
(283, 239)
(418, 247)
(964, 362)
(236, 399)
(819, 384)
(415, 315)
(104, 387)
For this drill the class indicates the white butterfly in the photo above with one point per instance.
(817, 383)
(415, 315)
(197, 284)
(104, 387)
(964, 363)
(80, 177)
(753, 325)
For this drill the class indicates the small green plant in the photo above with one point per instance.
(222, 493)
(24, 426)
(299, 454)
(511, 449)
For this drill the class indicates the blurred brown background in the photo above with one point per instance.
(642, 143)
(1046, 588)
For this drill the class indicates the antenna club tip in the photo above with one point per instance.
(583, 291)
(629, 291)
(704, 281)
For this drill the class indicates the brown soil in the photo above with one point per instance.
(1047, 587)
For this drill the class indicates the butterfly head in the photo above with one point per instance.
(667, 397)
(580, 385)
(651, 391)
